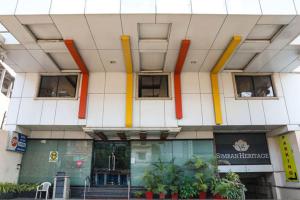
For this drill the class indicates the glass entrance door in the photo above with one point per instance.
(111, 163)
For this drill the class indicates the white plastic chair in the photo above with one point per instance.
(44, 187)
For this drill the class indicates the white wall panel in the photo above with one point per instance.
(275, 154)
(95, 110)
(243, 7)
(170, 114)
(31, 85)
(114, 110)
(66, 112)
(30, 111)
(207, 109)
(152, 113)
(237, 112)
(13, 110)
(18, 85)
(275, 111)
(291, 86)
(96, 82)
(136, 122)
(257, 112)
(278, 85)
(227, 83)
(205, 83)
(115, 83)
(48, 112)
(190, 83)
(191, 110)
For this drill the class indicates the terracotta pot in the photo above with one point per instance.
(149, 195)
(218, 197)
(162, 195)
(202, 195)
(174, 196)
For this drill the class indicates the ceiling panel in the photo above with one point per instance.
(257, 45)
(131, 24)
(152, 61)
(203, 30)
(240, 60)
(194, 60)
(33, 7)
(112, 60)
(64, 7)
(292, 66)
(261, 60)
(280, 61)
(8, 7)
(12, 65)
(106, 30)
(244, 7)
(147, 45)
(92, 60)
(136, 60)
(64, 60)
(234, 25)
(68, 26)
(173, 6)
(277, 7)
(44, 60)
(210, 60)
(179, 28)
(102, 7)
(53, 46)
(209, 7)
(25, 61)
(170, 61)
(45, 31)
(138, 6)
(264, 31)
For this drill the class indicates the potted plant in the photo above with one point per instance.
(149, 182)
(174, 192)
(161, 190)
(11, 190)
(174, 173)
(138, 194)
(200, 185)
(187, 190)
(219, 189)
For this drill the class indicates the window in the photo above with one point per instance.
(58, 86)
(153, 86)
(7, 83)
(254, 86)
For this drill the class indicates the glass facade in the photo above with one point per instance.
(144, 153)
(36, 167)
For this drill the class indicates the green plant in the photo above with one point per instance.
(199, 182)
(187, 190)
(138, 194)
(174, 173)
(149, 180)
(161, 188)
(174, 189)
(16, 188)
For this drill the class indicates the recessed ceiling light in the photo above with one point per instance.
(112, 62)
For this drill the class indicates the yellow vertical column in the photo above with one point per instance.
(215, 73)
(129, 80)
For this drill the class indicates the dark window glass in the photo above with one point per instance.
(58, 86)
(153, 86)
(254, 86)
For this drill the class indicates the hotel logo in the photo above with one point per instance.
(241, 146)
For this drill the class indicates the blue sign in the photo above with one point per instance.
(17, 142)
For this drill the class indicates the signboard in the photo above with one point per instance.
(289, 165)
(17, 142)
(242, 149)
(53, 156)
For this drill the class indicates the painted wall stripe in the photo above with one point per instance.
(215, 73)
(85, 77)
(177, 81)
(125, 39)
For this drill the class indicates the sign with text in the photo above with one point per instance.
(17, 142)
(242, 149)
(289, 165)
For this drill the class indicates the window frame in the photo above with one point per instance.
(275, 97)
(58, 98)
(151, 74)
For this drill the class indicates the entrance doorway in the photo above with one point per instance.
(111, 163)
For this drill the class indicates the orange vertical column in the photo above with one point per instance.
(177, 81)
(85, 77)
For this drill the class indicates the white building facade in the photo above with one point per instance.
(134, 108)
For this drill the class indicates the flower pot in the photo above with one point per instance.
(162, 196)
(218, 197)
(174, 196)
(149, 195)
(202, 195)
